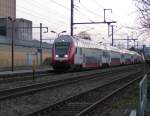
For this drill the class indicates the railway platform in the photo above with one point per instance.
(21, 72)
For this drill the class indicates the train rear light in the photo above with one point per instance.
(56, 56)
(66, 56)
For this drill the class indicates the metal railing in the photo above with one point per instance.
(143, 95)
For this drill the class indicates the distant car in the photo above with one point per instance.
(73, 52)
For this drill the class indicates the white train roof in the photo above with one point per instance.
(87, 43)
(92, 44)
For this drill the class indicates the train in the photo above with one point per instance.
(72, 52)
(147, 54)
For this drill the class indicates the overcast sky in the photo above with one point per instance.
(56, 15)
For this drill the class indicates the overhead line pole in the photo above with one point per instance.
(41, 58)
(12, 45)
(41, 29)
(72, 17)
(95, 22)
(105, 18)
(72, 20)
(127, 42)
(84, 23)
(12, 42)
(112, 35)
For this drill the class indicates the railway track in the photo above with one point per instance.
(39, 86)
(41, 90)
(29, 76)
(15, 83)
(84, 104)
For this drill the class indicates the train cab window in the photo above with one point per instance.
(62, 47)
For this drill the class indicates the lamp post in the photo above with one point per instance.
(12, 42)
(58, 34)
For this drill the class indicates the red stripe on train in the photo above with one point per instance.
(92, 65)
(115, 63)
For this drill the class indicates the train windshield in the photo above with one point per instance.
(61, 48)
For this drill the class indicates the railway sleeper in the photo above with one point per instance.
(70, 109)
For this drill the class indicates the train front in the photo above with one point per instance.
(63, 53)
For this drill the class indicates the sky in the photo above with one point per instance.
(56, 15)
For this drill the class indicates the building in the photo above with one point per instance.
(5, 27)
(8, 8)
(22, 29)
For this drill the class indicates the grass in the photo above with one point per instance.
(131, 100)
(147, 114)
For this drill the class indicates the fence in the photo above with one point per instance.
(143, 95)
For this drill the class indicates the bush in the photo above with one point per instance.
(47, 61)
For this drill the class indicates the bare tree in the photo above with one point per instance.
(144, 10)
(143, 7)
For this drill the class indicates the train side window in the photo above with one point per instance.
(105, 54)
(80, 51)
(122, 56)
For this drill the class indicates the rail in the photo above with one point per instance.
(88, 105)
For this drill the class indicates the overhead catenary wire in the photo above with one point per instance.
(97, 3)
(89, 11)
(42, 19)
(39, 15)
(36, 14)
(82, 14)
(61, 19)
(60, 4)
(46, 9)
(36, 4)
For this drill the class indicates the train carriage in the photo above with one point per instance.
(115, 56)
(147, 54)
(73, 52)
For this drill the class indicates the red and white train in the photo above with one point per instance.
(74, 52)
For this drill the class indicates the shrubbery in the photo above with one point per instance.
(47, 61)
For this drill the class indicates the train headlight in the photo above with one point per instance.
(57, 56)
(66, 56)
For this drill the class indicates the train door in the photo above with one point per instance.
(84, 60)
(78, 56)
(104, 58)
(100, 58)
(108, 57)
(122, 59)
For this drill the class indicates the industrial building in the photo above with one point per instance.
(8, 8)
(22, 29)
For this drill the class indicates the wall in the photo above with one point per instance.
(24, 52)
(23, 56)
